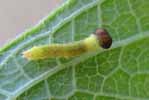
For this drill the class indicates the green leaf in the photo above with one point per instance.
(120, 73)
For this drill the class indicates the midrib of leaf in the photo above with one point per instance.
(116, 44)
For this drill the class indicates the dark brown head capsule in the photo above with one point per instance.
(104, 38)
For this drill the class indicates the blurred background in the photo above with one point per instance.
(19, 15)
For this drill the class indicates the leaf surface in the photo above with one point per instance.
(120, 73)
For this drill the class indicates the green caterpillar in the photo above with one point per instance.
(97, 41)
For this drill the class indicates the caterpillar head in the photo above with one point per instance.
(105, 40)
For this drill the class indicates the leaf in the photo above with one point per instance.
(121, 73)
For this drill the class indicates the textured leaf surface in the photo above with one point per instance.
(121, 73)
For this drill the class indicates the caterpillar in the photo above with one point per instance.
(99, 40)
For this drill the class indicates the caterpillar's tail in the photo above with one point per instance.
(27, 54)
